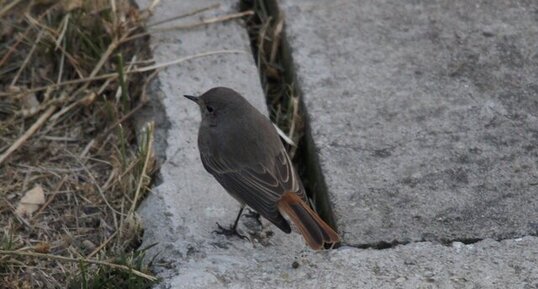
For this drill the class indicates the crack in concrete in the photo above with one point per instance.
(306, 158)
(383, 245)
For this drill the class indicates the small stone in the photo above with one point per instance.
(458, 246)
(295, 265)
(88, 244)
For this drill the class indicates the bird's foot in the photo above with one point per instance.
(253, 215)
(231, 231)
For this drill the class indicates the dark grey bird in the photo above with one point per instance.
(241, 148)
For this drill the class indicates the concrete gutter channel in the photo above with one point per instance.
(181, 212)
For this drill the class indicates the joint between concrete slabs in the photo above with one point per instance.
(383, 245)
(308, 161)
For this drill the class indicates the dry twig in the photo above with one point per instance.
(144, 174)
(23, 138)
(193, 25)
(83, 260)
(213, 6)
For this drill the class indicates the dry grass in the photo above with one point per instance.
(73, 169)
(265, 30)
(67, 90)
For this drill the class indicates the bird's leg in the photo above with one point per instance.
(233, 228)
(254, 215)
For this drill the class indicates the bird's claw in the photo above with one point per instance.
(228, 231)
(253, 215)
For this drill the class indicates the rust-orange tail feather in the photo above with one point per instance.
(315, 231)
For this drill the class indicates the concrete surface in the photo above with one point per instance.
(491, 264)
(424, 114)
(180, 213)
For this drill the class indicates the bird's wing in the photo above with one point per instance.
(259, 186)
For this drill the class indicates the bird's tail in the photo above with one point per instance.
(315, 231)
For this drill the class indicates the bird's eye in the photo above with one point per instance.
(209, 108)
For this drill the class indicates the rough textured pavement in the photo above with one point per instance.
(180, 213)
(424, 114)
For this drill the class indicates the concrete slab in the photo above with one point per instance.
(487, 264)
(424, 114)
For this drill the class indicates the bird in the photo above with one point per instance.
(241, 148)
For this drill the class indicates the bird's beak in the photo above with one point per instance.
(191, 97)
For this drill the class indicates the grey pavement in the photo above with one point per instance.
(403, 151)
(424, 115)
